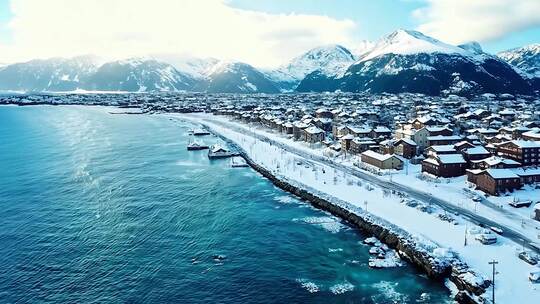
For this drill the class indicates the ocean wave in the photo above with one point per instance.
(285, 199)
(309, 286)
(389, 292)
(328, 223)
(342, 288)
(335, 249)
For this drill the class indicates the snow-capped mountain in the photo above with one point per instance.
(473, 47)
(525, 58)
(195, 67)
(404, 61)
(407, 42)
(330, 60)
(409, 61)
(236, 77)
(362, 48)
(139, 75)
(56, 74)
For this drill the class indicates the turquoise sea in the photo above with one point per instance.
(101, 208)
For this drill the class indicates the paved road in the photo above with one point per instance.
(413, 193)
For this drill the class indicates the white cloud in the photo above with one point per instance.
(458, 21)
(202, 28)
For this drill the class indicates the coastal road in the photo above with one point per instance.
(473, 217)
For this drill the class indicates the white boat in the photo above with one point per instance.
(196, 146)
(200, 132)
(217, 151)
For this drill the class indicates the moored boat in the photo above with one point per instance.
(200, 132)
(196, 146)
(218, 151)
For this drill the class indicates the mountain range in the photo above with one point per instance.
(403, 61)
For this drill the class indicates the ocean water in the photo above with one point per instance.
(101, 208)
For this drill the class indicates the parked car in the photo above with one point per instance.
(497, 230)
(528, 257)
(534, 276)
(520, 204)
(486, 238)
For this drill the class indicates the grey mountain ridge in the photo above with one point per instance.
(433, 68)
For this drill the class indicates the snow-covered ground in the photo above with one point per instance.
(452, 190)
(426, 227)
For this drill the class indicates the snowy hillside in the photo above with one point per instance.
(403, 61)
(236, 77)
(192, 66)
(526, 58)
(56, 74)
(138, 75)
(409, 61)
(330, 60)
(362, 48)
(407, 42)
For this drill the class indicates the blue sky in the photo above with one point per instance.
(377, 18)
(5, 15)
(260, 32)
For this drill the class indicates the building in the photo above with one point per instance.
(525, 152)
(380, 132)
(531, 135)
(419, 136)
(447, 165)
(494, 162)
(440, 150)
(298, 130)
(345, 141)
(406, 147)
(382, 161)
(528, 176)
(313, 135)
(359, 145)
(476, 153)
(443, 140)
(497, 181)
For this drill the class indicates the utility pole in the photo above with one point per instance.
(493, 263)
(466, 228)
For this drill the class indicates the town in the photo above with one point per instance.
(492, 140)
(476, 160)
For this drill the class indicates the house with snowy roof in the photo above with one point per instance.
(523, 151)
(313, 135)
(497, 181)
(445, 165)
(406, 148)
(381, 161)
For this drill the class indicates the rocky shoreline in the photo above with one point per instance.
(471, 287)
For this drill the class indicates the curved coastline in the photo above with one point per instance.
(393, 237)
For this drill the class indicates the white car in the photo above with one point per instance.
(534, 276)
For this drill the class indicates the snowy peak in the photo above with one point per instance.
(407, 42)
(138, 75)
(54, 74)
(473, 47)
(228, 67)
(525, 58)
(362, 48)
(195, 67)
(327, 53)
(237, 77)
(329, 60)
